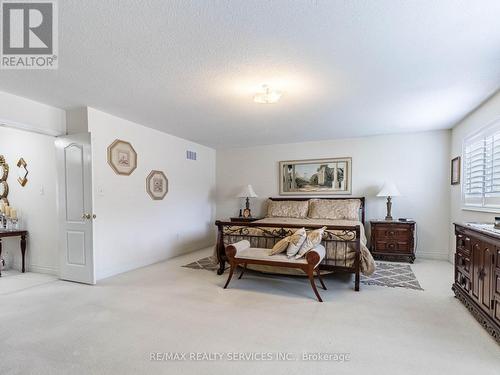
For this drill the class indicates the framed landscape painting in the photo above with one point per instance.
(317, 176)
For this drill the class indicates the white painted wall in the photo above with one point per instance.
(30, 115)
(418, 163)
(36, 201)
(132, 230)
(481, 117)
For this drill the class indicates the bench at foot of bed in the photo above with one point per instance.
(241, 254)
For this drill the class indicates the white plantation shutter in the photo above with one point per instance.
(481, 172)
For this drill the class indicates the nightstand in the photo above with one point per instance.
(244, 219)
(393, 240)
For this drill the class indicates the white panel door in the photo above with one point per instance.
(74, 169)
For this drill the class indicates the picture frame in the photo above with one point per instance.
(122, 157)
(157, 185)
(330, 176)
(456, 171)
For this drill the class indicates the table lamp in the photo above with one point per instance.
(389, 190)
(247, 193)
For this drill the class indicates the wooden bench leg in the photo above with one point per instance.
(357, 279)
(243, 271)
(231, 271)
(320, 278)
(310, 274)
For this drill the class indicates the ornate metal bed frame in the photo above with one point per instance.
(335, 238)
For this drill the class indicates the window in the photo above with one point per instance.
(481, 172)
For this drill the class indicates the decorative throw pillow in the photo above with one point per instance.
(295, 209)
(313, 239)
(296, 241)
(341, 209)
(280, 246)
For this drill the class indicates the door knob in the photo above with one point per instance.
(86, 216)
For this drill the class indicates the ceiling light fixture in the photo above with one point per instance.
(267, 96)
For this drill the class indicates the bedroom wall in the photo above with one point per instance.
(36, 201)
(418, 163)
(132, 230)
(488, 112)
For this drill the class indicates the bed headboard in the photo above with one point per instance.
(361, 199)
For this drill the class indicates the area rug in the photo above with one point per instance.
(394, 275)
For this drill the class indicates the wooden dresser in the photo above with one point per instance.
(477, 275)
(393, 240)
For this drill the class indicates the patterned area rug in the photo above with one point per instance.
(394, 275)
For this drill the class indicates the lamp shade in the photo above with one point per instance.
(389, 190)
(247, 192)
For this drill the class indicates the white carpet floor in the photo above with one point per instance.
(55, 327)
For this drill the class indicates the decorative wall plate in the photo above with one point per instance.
(157, 185)
(22, 172)
(122, 157)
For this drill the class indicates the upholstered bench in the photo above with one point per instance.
(240, 253)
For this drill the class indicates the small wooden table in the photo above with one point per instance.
(242, 219)
(393, 240)
(14, 233)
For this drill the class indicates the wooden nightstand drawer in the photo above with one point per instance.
(393, 233)
(392, 246)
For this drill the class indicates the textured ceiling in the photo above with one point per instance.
(347, 68)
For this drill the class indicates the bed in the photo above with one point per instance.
(344, 238)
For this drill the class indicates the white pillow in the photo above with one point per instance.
(313, 239)
(295, 242)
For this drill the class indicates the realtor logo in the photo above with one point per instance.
(29, 35)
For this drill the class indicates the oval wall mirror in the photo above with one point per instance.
(4, 172)
(4, 189)
(4, 169)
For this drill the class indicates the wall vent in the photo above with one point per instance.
(191, 155)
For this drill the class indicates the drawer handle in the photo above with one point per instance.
(391, 233)
(391, 245)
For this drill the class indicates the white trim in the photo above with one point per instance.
(50, 270)
(435, 255)
(29, 128)
(481, 209)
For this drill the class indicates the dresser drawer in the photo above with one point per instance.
(392, 246)
(464, 243)
(463, 281)
(496, 283)
(462, 261)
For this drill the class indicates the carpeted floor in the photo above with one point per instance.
(394, 275)
(113, 327)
